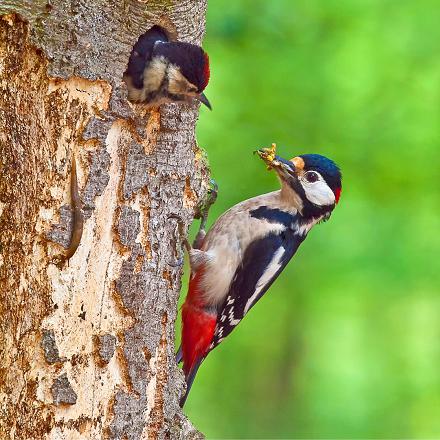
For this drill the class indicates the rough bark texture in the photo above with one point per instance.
(87, 347)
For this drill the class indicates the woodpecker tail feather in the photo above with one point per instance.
(179, 355)
(189, 380)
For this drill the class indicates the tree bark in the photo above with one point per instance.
(87, 345)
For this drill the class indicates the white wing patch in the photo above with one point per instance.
(231, 318)
(268, 274)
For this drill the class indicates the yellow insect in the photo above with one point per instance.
(268, 155)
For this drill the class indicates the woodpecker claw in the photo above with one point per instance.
(208, 201)
(178, 263)
(203, 212)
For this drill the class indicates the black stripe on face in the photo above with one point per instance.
(310, 210)
(273, 215)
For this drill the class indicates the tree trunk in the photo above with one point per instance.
(87, 344)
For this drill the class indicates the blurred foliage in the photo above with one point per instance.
(346, 344)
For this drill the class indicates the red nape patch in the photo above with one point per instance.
(206, 71)
(337, 194)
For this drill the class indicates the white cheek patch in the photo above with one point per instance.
(154, 74)
(318, 192)
(177, 83)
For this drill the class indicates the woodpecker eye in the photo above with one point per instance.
(311, 176)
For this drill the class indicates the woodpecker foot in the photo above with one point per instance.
(203, 211)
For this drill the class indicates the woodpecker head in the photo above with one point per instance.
(188, 70)
(314, 179)
(161, 71)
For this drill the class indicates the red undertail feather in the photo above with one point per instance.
(198, 326)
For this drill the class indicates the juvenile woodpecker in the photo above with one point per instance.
(248, 247)
(162, 71)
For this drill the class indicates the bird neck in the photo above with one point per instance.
(289, 199)
(154, 77)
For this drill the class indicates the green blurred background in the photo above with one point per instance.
(346, 344)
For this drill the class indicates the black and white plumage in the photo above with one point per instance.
(262, 262)
(248, 247)
(160, 70)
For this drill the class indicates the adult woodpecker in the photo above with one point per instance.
(162, 71)
(248, 247)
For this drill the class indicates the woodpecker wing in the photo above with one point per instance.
(262, 262)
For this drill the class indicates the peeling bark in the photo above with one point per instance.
(87, 346)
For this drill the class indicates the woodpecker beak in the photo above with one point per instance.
(204, 100)
(282, 166)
